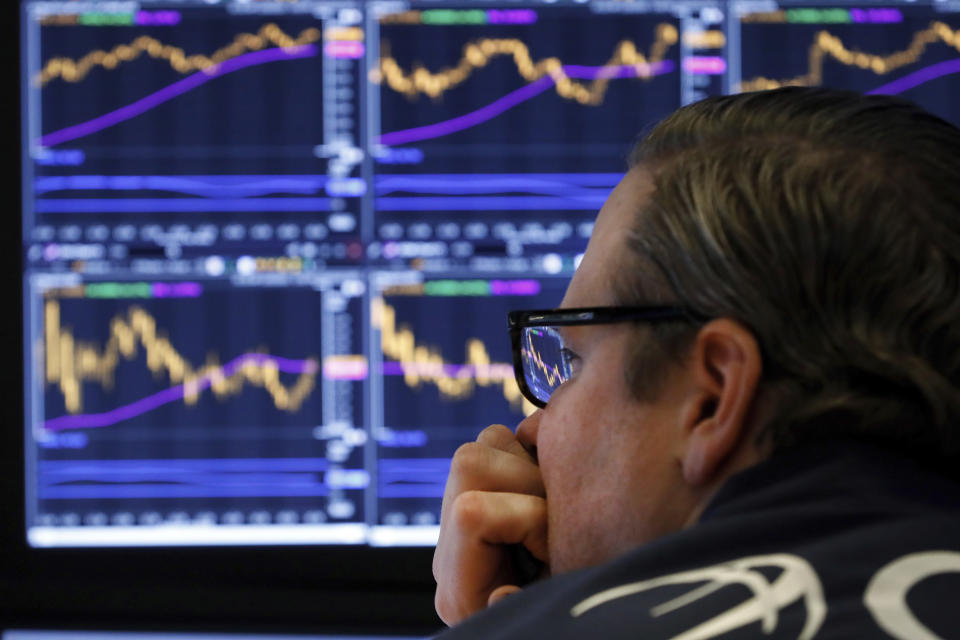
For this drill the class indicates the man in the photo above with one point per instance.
(750, 395)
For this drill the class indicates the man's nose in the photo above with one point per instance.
(527, 432)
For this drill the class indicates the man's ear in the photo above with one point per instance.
(725, 366)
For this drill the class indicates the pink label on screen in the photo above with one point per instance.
(514, 287)
(343, 49)
(704, 65)
(345, 368)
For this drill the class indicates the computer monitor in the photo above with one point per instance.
(268, 248)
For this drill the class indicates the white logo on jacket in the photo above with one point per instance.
(885, 596)
(797, 581)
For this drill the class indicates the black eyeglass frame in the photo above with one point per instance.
(519, 320)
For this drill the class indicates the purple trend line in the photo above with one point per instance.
(134, 409)
(514, 98)
(172, 91)
(919, 77)
(581, 71)
(471, 119)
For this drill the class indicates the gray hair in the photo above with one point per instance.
(828, 223)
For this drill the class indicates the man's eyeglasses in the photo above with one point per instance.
(541, 362)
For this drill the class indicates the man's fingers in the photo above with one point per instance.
(473, 557)
(494, 502)
(501, 437)
(476, 466)
(475, 522)
(503, 519)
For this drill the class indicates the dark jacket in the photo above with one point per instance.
(839, 541)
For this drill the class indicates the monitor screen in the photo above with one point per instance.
(269, 246)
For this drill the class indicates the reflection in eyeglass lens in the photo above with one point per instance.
(543, 365)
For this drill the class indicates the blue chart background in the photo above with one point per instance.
(212, 438)
(780, 51)
(263, 118)
(547, 132)
(226, 323)
(447, 324)
(412, 477)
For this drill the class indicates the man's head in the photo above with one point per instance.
(821, 233)
(828, 223)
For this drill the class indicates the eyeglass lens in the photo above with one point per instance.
(544, 367)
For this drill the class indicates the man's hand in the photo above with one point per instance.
(493, 504)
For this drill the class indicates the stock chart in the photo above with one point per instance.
(176, 337)
(447, 373)
(512, 117)
(269, 247)
(188, 397)
(908, 50)
(192, 92)
(193, 117)
(523, 90)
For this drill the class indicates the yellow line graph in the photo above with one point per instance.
(72, 70)
(479, 53)
(425, 365)
(70, 363)
(826, 45)
(552, 375)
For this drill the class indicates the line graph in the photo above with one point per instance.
(412, 478)
(447, 361)
(491, 204)
(919, 77)
(464, 197)
(71, 363)
(827, 46)
(208, 195)
(183, 478)
(565, 185)
(255, 368)
(477, 55)
(421, 365)
(560, 94)
(514, 98)
(169, 92)
(913, 55)
(205, 186)
(552, 375)
(71, 70)
(196, 402)
(180, 205)
(218, 93)
(447, 374)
